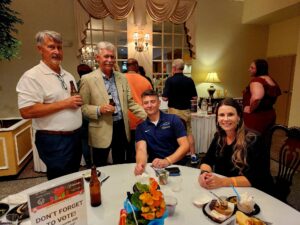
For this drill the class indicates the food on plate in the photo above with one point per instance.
(220, 208)
(232, 199)
(217, 212)
(246, 203)
(243, 219)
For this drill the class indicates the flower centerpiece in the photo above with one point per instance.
(146, 205)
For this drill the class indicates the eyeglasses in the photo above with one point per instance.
(63, 83)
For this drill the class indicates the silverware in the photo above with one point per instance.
(222, 201)
(104, 179)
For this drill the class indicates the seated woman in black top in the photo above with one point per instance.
(235, 153)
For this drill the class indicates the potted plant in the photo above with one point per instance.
(9, 45)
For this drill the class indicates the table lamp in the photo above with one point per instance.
(212, 78)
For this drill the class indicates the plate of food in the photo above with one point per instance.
(3, 208)
(21, 210)
(218, 212)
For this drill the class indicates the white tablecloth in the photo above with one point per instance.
(203, 129)
(122, 179)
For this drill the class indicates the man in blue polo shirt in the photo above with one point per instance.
(161, 138)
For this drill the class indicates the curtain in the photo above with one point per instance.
(176, 11)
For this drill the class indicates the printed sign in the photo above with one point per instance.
(60, 205)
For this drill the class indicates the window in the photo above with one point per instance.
(107, 29)
(169, 43)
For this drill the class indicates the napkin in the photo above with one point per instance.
(15, 199)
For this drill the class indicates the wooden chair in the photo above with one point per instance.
(284, 146)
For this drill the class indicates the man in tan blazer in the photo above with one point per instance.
(108, 126)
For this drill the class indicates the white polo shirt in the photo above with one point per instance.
(40, 84)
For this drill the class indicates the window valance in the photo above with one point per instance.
(176, 11)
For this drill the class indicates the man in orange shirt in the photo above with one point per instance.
(138, 84)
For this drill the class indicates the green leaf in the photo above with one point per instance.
(142, 187)
(136, 201)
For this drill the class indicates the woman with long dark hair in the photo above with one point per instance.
(236, 153)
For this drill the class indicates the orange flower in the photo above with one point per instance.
(148, 216)
(153, 204)
(146, 198)
(153, 184)
(156, 195)
(145, 209)
(160, 212)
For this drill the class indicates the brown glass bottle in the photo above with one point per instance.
(112, 102)
(95, 188)
(73, 89)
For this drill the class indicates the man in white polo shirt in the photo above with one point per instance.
(44, 96)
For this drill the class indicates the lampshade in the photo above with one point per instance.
(212, 78)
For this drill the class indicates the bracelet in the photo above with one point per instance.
(169, 161)
(234, 182)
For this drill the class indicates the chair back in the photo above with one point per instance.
(285, 148)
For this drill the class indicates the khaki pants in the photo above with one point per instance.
(185, 115)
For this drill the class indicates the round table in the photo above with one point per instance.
(122, 179)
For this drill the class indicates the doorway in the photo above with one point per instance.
(282, 68)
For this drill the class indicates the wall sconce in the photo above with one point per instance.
(141, 41)
(212, 78)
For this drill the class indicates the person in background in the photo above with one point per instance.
(142, 72)
(83, 69)
(161, 138)
(138, 84)
(108, 123)
(44, 96)
(259, 97)
(236, 153)
(179, 90)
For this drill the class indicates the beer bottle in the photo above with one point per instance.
(112, 102)
(95, 188)
(73, 89)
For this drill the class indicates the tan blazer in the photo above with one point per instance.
(94, 94)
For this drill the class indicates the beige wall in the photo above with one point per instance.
(256, 9)
(226, 46)
(284, 37)
(37, 15)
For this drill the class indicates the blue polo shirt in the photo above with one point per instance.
(161, 139)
